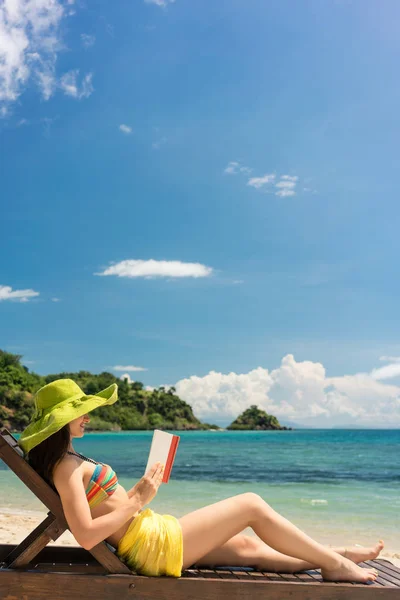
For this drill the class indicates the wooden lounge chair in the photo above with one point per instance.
(32, 570)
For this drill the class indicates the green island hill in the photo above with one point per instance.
(136, 409)
(254, 418)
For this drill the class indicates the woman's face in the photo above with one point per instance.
(77, 426)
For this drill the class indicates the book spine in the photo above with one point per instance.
(170, 459)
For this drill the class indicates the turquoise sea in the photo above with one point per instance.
(340, 486)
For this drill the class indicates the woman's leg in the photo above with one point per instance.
(212, 526)
(248, 551)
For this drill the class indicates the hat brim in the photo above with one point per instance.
(54, 420)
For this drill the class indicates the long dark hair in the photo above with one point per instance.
(44, 457)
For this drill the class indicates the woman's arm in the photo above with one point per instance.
(155, 471)
(88, 531)
(132, 492)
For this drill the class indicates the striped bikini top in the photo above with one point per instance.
(102, 484)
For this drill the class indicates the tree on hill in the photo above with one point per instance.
(255, 418)
(136, 408)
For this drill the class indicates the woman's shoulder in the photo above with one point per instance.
(66, 467)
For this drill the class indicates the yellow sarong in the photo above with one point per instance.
(153, 545)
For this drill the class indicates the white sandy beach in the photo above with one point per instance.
(15, 526)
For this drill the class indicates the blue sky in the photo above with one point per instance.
(249, 149)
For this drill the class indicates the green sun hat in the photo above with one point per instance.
(59, 403)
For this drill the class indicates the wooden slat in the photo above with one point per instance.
(224, 573)
(289, 577)
(28, 585)
(272, 576)
(386, 567)
(192, 574)
(316, 575)
(52, 554)
(47, 531)
(209, 572)
(305, 577)
(109, 560)
(196, 573)
(384, 579)
(384, 582)
(258, 575)
(388, 577)
(31, 479)
(243, 575)
(69, 568)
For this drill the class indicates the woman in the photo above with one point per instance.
(98, 508)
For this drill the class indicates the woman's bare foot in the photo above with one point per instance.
(360, 553)
(348, 571)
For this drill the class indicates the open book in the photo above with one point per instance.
(163, 450)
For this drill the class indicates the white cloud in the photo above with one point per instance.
(258, 182)
(55, 299)
(157, 268)
(158, 143)
(125, 129)
(296, 391)
(128, 368)
(87, 40)
(46, 83)
(234, 167)
(29, 42)
(286, 186)
(162, 3)
(285, 192)
(69, 84)
(386, 372)
(127, 377)
(391, 359)
(7, 293)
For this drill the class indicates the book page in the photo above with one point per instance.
(163, 449)
(159, 448)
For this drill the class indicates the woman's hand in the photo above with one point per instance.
(147, 487)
